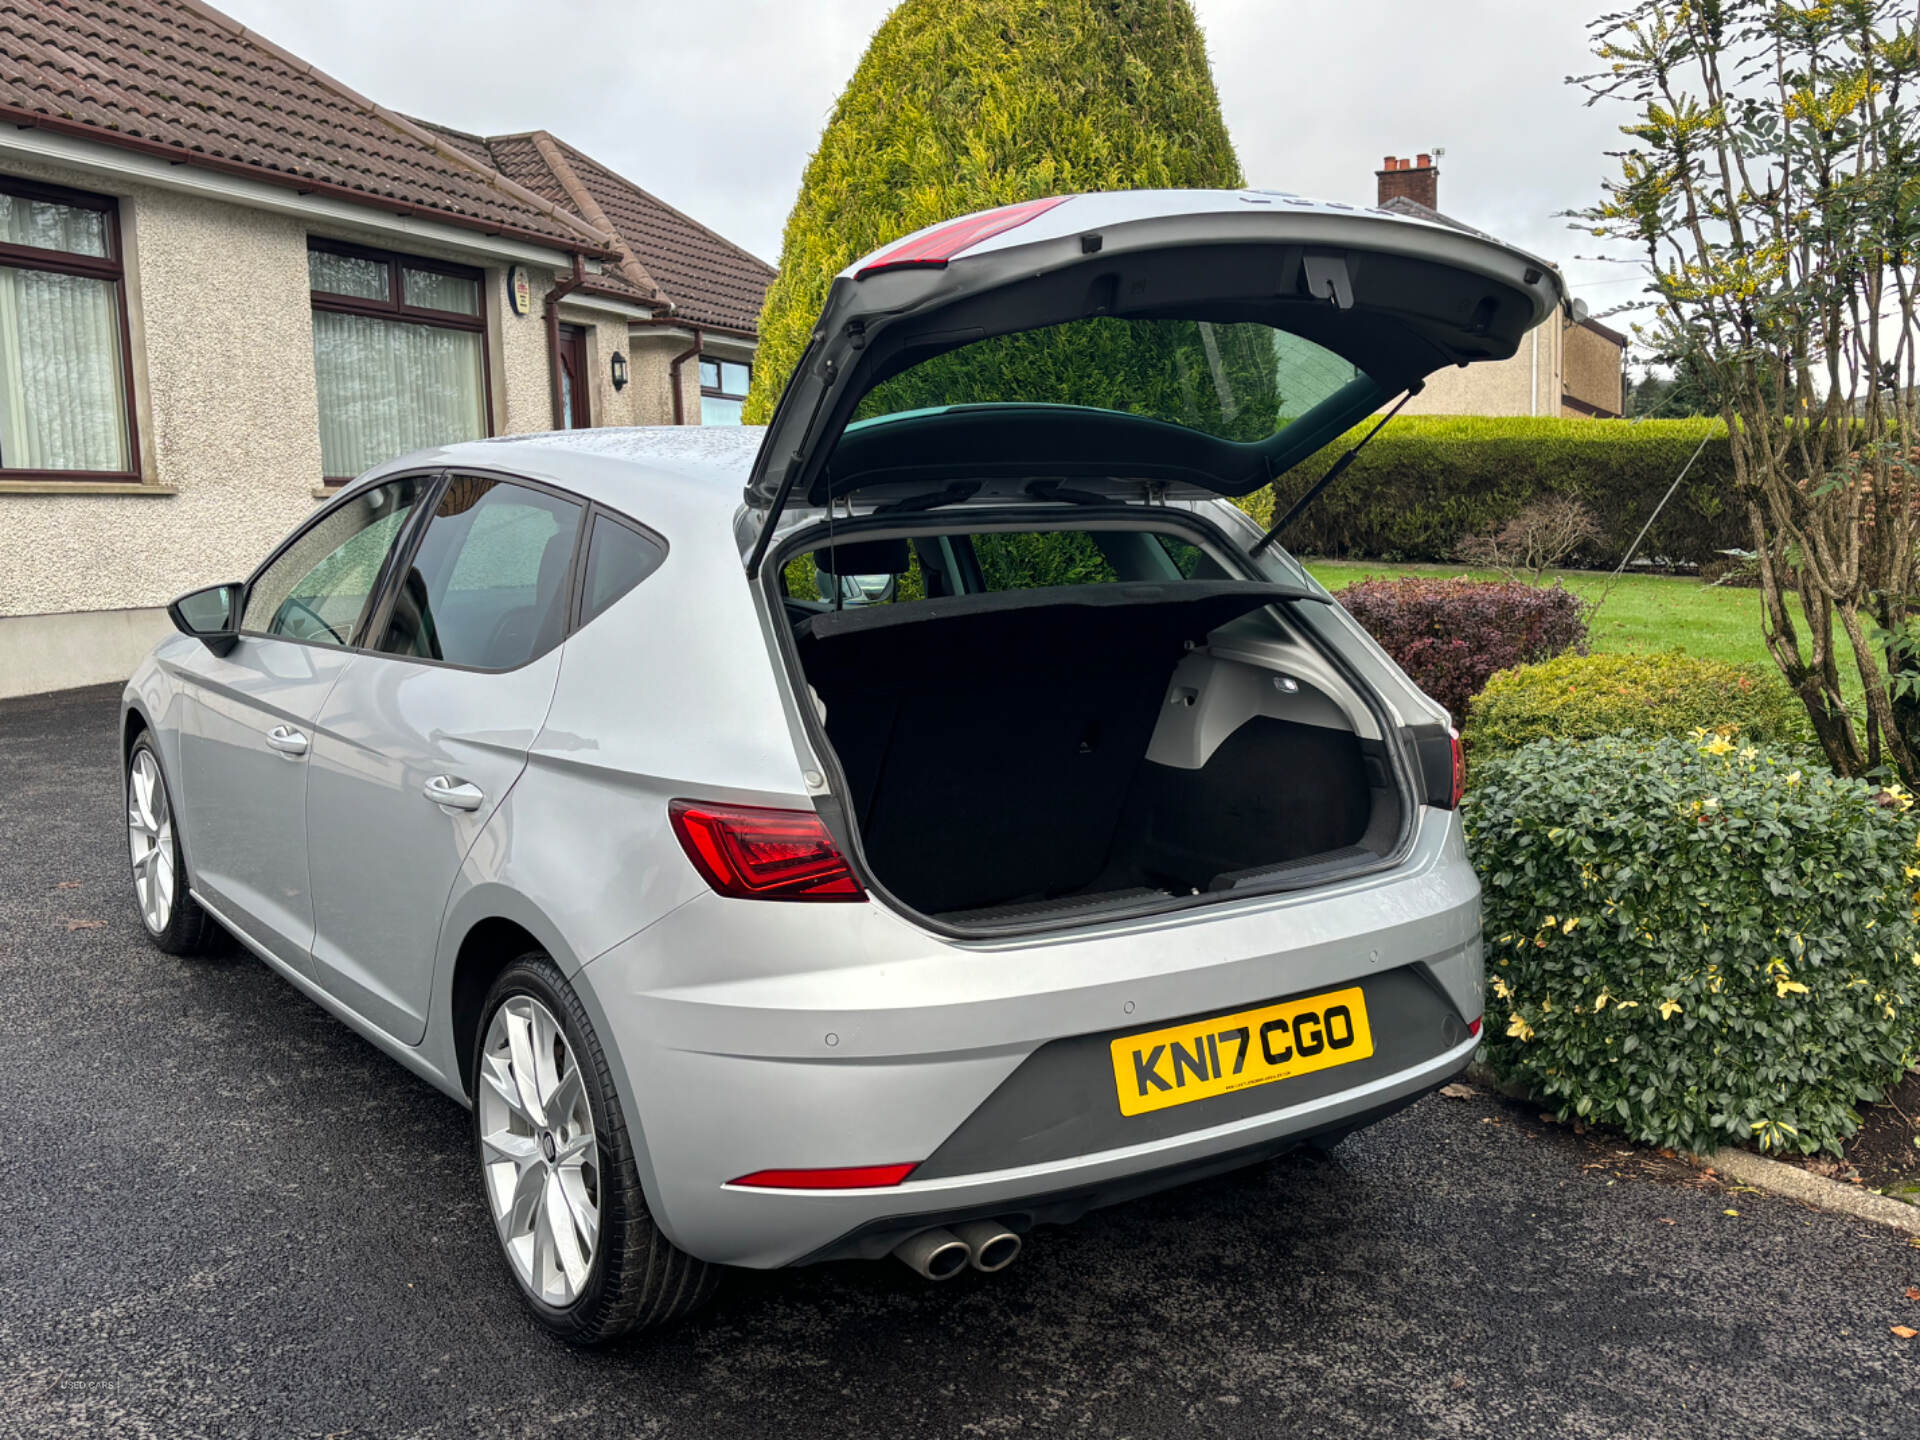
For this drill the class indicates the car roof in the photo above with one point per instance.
(660, 474)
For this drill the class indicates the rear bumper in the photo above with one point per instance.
(748, 1036)
(878, 1237)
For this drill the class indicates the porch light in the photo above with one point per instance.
(619, 371)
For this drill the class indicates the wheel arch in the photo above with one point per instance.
(133, 724)
(488, 947)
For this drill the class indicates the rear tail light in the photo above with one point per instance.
(752, 853)
(852, 1177)
(1474, 1028)
(1443, 766)
(938, 246)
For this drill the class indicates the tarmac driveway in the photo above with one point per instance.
(223, 1214)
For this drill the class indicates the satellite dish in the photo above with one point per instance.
(1579, 309)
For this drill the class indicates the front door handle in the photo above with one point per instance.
(287, 740)
(452, 793)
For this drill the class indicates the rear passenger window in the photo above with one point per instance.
(488, 586)
(619, 557)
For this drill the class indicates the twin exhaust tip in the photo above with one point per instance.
(986, 1245)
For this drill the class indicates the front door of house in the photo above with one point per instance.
(575, 413)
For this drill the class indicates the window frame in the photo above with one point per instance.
(112, 266)
(720, 392)
(395, 308)
(386, 584)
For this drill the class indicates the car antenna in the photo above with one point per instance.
(1333, 472)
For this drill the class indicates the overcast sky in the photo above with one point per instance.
(715, 105)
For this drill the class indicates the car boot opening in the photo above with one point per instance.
(1044, 753)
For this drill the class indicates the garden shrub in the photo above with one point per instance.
(1695, 939)
(1427, 482)
(957, 108)
(1450, 635)
(1582, 697)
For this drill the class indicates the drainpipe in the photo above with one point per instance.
(699, 343)
(1533, 404)
(554, 296)
(673, 375)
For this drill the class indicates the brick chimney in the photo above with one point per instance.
(1417, 179)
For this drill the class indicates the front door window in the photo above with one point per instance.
(318, 587)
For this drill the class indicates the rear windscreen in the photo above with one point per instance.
(1234, 381)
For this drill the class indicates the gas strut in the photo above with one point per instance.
(1333, 473)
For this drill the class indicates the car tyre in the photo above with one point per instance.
(633, 1277)
(172, 918)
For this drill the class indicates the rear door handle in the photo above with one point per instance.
(287, 740)
(453, 794)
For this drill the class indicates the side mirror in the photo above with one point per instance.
(211, 616)
(855, 589)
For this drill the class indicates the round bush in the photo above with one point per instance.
(1696, 940)
(1450, 635)
(1582, 697)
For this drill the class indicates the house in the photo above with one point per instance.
(1568, 365)
(229, 282)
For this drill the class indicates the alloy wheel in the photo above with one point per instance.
(538, 1152)
(150, 841)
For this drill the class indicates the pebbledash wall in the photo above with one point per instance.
(225, 402)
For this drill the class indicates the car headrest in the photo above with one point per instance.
(865, 557)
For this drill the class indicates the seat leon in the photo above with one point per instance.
(886, 832)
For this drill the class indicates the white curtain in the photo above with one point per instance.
(387, 387)
(61, 402)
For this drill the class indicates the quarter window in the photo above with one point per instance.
(399, 356)
(618, 559)
(64, 386)
(488, 585)
(723, 387)
(317, 588)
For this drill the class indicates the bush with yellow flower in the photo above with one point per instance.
(1697, 939)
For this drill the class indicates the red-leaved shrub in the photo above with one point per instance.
(1450, 635)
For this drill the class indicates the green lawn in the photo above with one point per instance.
(1643, 612)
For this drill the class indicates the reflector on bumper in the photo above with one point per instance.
(852, 1177)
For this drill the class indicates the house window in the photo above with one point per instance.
(723, 385)
(65, 389)
(399, 354)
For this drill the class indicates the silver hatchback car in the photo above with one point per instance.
(929, 817)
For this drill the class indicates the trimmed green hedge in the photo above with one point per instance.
(1428, 481)
(1583, 697)
(1697, 942)
(956, 108)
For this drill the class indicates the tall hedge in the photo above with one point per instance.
(1428, 481)
(961, 107)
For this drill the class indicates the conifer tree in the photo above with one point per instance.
(962, 105)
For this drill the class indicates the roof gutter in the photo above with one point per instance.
(558, 293)
(298, 184)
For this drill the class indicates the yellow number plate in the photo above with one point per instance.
(1217, 1056)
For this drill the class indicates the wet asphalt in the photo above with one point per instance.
(223, 1214)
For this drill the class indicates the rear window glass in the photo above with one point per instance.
(993, 561)
(1234, 381)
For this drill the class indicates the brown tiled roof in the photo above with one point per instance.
(180, 79)
(708, 279)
